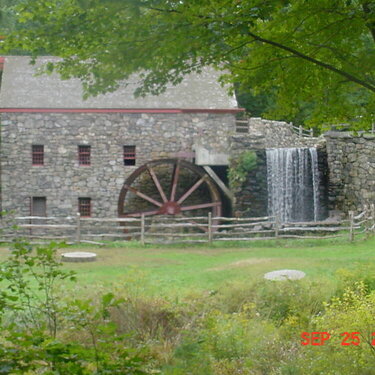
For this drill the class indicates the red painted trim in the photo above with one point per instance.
(224, 110)
(114, 110)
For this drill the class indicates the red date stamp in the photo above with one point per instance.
(320, 338)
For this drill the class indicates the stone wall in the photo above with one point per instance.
(61, 180)
(270, 134)
(251, 200)
(351, 162)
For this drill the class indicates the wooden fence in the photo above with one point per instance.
(170, 229)
(302, 132)
(243, 126)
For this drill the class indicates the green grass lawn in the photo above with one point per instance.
(180, 270)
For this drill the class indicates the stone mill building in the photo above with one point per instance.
(117, 155)
(61, 154)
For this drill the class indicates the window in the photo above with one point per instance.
(129, 155)
(84, 155)
(242, 126)
(38, 206)
(37, 152)
(84, 206)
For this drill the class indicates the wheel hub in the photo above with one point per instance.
(170, 208)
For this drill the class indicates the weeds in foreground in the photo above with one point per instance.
(35, 319)
(242, 328)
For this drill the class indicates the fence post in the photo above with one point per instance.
(367, 223)
(311, 132)
(277, 226)
(351, 233)
(210, 227)
(300, 131)
(142, 229)
(78, 228)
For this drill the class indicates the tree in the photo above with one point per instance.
(8, 15)
(309, 54)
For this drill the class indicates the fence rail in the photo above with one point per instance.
(167, 229)
(302, 132)
(243, 126)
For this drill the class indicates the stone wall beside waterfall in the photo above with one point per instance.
(351, 162)
(264, 134)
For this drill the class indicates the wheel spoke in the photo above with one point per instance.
(171, 200)
(144, 196)
(176, 172)
(192, 189)
(157, 184)
(139, 214)
(198, 206)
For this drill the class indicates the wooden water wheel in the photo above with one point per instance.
(169, 187)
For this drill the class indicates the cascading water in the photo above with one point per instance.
(293, 184)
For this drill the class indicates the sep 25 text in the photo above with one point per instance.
(320, 338)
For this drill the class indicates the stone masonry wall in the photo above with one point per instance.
(270, 134)
(351, 162)
(61, 180)
(251, 200)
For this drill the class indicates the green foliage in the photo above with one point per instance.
(7, 15)
(348, 277)
(353, 312)
(252, 327)
(256, 105)
(38, 322)
(34, 303)
(293, 303)
(240, 167)
(263, 334)
(314, 56)
(223, 342)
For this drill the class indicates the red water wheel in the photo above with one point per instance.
(169, 187)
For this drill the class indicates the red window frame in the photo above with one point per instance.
(84, 207)
(37, 154)
(84, 155)
(129, 155)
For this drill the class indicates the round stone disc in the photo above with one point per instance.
(78, 256)
(282, 275)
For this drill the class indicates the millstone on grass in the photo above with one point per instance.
(282, 275)
(78, 256)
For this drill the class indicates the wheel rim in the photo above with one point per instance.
(170, 201)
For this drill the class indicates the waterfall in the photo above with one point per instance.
(293, 184)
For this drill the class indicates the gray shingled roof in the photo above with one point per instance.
(20, 88)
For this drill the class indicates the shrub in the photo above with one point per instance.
(35, 334)
(353, 312)
(274, 300)
(348, 277)
(240, 168)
